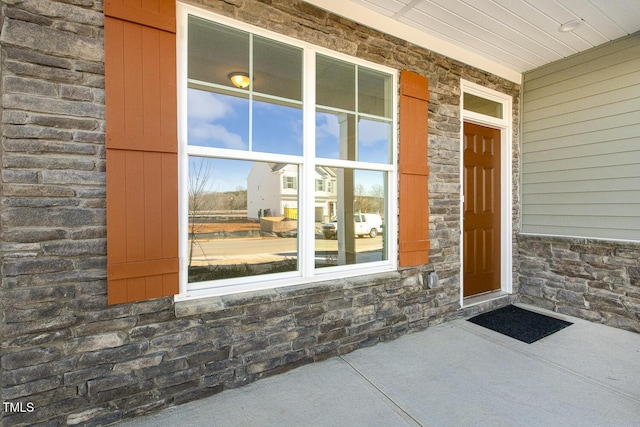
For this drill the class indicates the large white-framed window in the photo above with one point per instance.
(280, 141)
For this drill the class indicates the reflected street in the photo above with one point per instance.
(267, 249)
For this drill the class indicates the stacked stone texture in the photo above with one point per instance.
(591, 279)
(80, 361)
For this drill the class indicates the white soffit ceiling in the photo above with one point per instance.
(505, 37)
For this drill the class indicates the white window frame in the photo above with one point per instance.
(505, 125)
(306, 273)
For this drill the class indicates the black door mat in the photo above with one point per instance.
(518, 323)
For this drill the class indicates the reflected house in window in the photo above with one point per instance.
(325, 195)
(272, 190)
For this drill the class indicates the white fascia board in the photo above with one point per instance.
(364, 16)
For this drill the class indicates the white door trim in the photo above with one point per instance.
(505, 125)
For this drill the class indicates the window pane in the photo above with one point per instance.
(335, 83)
(277, 127)
(374, 92)
(374, 141)
(217, 120)
(277, 69)
(335, 135)
(241, 221)
(336, 138)
(482, 105)
(350, 221)
(215, 51)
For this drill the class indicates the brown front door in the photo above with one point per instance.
(481, 269)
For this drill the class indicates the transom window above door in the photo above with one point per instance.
(481, 105)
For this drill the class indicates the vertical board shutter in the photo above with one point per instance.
(414, 170)
(141, 149)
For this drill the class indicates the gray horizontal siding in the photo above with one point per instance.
(584, 87)
(581, 145)
(592, 61)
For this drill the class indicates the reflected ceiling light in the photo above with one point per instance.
(567, 27)
(239, 79)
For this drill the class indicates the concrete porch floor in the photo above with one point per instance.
(455, 374)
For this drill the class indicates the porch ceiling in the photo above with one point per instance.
(519, 35)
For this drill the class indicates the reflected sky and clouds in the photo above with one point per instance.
(219, 175)
(327, 135)
(217, 120)
(374, 138)
(374, 141)
(277, 128)
(222, 121)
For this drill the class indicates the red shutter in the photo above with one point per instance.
(414, 170)
(141, 143)
(160, 14)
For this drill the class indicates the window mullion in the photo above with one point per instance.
(306, 225)
(357, 112)
(251, 92)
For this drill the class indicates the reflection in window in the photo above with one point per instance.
(374, 141)
(216, 50)
(277, 69)
(374, 92)
(222, 120)
(336, 138)
(328, 135)
(277, 128)
(217, 120)
(482, 105)
(353, 112)
(352, 231)
(248, 155)
(289, 183)
(266, 115)
(335, 83)
(240, 222)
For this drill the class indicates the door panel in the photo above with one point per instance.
(481, 238)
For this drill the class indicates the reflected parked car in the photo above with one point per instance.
(364, 224)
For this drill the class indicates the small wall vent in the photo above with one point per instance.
(432, 280)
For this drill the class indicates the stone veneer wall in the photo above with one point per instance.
(592, 279)
(79, 361)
